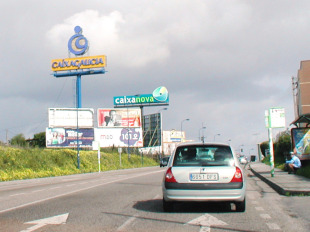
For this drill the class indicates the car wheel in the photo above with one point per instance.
(167, 206)
(240, 206)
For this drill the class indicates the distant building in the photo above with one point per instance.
(301, 89)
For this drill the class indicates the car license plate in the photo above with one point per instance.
(201, 177)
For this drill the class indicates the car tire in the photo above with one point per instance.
(240, 206)
(167, 206)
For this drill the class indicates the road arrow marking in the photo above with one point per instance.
(206, 221)
(55, 220)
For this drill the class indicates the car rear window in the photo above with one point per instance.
(203, 155)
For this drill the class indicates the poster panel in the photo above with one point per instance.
(70, 117)
(62, 137)
(125, 117)
(277, 117)
(301, 142)
(119, 137)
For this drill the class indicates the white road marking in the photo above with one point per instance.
(265, 216)
(259, 208)
(254, 202)
(156, 197)
(70, 185)
(273, 226)
(40, 190)
(54, 188)
(126, 223)
(55, 220)
(75, 191)
(17, 194)
(206, 221)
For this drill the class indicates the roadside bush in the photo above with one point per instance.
(26, 163)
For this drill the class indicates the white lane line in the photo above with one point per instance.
(75, 191)
(36, 191)
(273, 226)
(254, 202)
(126, 223)
(156, 197)
(265, 216)
(17, 194)
(70, 185)
(54, 188)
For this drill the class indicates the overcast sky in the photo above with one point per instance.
(223, 62)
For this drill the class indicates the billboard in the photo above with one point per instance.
(301, 142)
(152, 130)
(61, 137)
(70, 117)
(119, 137)
(78, 63)
(160, 96)
(117, 118)
(275, 117)
(173, 136)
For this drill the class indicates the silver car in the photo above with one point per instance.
(204, 172)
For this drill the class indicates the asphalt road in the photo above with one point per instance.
(131, 200)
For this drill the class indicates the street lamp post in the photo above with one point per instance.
(241, 149)
(159, 135)
(202, 138)
(182, 128)
(216, 135)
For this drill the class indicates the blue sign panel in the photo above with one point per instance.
(78, 44)
(62, 137)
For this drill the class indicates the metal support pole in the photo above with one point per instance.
(271, 152)
(77, 138)
(78, 105)
(78, 92)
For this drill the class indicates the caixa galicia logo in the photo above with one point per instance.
(78, 44)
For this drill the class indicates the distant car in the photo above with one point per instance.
(243, 160)
(164, 161)
(204, 172)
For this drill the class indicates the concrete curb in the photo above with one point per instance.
(279, 189)
(276, 187)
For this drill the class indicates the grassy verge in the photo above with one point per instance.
(303, 171)
(21, 163)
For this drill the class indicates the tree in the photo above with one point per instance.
(18, 140)
(38, 140)
(264, 146)
(283, 147)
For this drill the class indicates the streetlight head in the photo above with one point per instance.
(187, 119)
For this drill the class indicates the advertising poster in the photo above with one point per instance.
(276, 117)
(119, 117)
(301, 142)
(70, 117)
(61, 137)
(119, 137)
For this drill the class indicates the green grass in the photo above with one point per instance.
(303, 171)
(27, 163)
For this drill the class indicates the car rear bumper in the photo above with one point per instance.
(204, 186)
(204, 195)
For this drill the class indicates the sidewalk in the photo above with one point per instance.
(282, 182)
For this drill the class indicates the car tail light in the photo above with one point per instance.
(169, 176)
(237, 176)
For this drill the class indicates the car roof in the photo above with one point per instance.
(200, 143)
